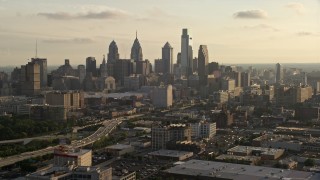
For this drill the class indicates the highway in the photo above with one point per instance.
(109, 126)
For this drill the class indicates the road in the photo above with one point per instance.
(27, 140)
(109, 126)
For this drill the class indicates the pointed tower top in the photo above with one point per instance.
(104, 59)
(136, 34)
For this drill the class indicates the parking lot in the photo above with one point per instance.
(145, 168)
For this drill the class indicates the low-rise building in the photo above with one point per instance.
(125, 176)
(264, 153)
(252, 160)
(72, 172)
(171, 154)
(64, 156)
(119, 149)
(211, 170)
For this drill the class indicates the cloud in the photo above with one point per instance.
(263, 27)
(297, 7)
(74, 40)
(251, 14)
(306, 33)
(109, 13)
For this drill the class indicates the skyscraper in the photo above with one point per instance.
(103, 68)
(123, 68)
(91, 66)
(113, 54)
(30, 79)
(279, 73)
(179, 58)
(203, 60)
(186, 53)
(167, 58)
(82, 72)
(143, 67)
(136, 50)
(43, 70)
(245, 79)
(158, 66)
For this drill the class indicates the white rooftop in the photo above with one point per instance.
(170, 153)
(212, 169)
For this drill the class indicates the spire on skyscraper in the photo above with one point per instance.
(136, 50)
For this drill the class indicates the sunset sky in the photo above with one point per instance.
(236, 31)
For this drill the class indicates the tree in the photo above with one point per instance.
(309, 162)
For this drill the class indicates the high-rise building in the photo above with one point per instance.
(69, 100)
(203, 60)
(82, 72)
(143, 67)
(43, 70)
(64, 70)
(122, 68)
(103, 68)
(167, 58)
(195, 64)
(113, 54)
(186, 53)
(203, 129)
(162, 96)
(179, 58)
(245, 79)
(213, 66)
(30, 79)
(158, 66)
(279, 73)
(91, 66)
(136, 50)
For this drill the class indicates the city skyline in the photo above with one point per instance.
(234, 31)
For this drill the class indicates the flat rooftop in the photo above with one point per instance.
(119, 146)
(266, 151)
(170, 153)
(71, 152)
(211, 169)
(245, 158)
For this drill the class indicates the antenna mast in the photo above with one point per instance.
(36, 48)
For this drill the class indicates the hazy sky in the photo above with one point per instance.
(236, 31)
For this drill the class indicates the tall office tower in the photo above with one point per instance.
(245, 79)
(186, 53)
(30, 79)
(103, 68)
(195, 64)
(143, 67)
(136, 50)
(122, 68)
(304, 78)
(113, 54)
(203, 60)
(279, 73)
(91, 66)
(167, 58)
(158, 66)
(213, 66)
(43, 70)
(82, 73)
(179, 58)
